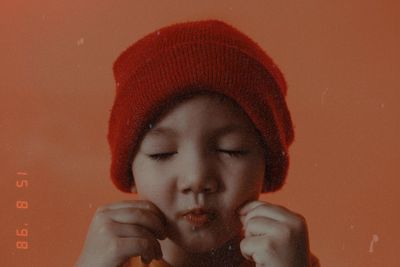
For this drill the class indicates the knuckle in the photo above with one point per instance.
(98, 209)
(299, 222)
(101, 224)
(104, 228)
(100, 216)
(101, 209)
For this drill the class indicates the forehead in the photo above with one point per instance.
(208, 113)
(219, 106)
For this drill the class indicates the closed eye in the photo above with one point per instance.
(234, 153)
(165, 156)
(161, 156)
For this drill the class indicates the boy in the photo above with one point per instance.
(199, 128)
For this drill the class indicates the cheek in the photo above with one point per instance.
(151, 183)
(244, 182)
(247, 172)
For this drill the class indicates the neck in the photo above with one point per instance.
(227, 255)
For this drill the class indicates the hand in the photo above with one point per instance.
(122, 230)
(274, 236)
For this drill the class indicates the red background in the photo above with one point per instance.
(341, 61)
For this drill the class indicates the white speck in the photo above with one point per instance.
(80, 41)
(375, 238)
(150, 126)
(323, 95)
(230, 247)
(382, 105)
(22, 173)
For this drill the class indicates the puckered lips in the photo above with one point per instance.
(198, 217)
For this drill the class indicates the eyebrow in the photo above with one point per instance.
(231, 128)
(161, 130)
(158, 131)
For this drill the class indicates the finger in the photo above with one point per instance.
(249, 206)
(257, 226)
(139, 217)
(259, 208)
(259, 250)
(131, 230)
(142, 204)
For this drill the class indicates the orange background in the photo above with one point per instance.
(341, 61)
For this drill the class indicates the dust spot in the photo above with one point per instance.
(375, 238)
(323, 94)
(80, 41)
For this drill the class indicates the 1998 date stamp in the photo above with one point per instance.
(21, 233)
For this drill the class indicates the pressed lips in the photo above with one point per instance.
(198, 217)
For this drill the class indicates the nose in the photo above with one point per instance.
(198, 175)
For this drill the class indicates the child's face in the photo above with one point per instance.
(184, 162)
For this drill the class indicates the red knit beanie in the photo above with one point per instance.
(188, 58)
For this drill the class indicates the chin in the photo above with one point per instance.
(205, 239)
